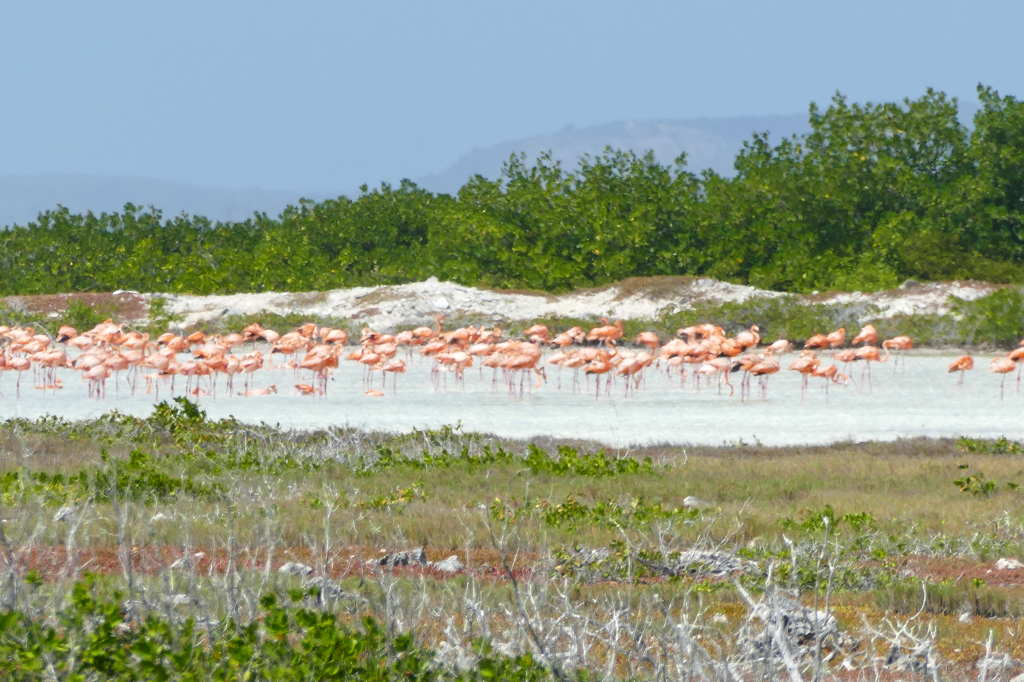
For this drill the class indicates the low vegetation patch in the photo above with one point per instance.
(178, 545)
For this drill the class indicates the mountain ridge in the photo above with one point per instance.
(708, 142)
(24, 196)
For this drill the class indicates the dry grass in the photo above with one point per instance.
(903, 484)
(339, 514)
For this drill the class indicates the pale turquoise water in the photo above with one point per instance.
(921, 399)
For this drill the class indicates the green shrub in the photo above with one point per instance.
(94, 640)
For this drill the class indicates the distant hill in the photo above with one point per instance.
(22, 197)
(708, 143)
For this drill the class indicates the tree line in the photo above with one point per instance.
(875, 194)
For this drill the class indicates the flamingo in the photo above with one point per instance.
(631, 368)
(745, 363)
(117, 363)
(831, 374)
(494, 361)
(649, 339)
(819, 341)
(719, 367)
(426, 333)
(523, 357)
(251, 363)
(845, 356)
(253, 332)
(19, 365)
(898, 344)
(107, 348)
(870, 354)
(51, 360)
(160, 362)
(218, 365)
(762, 371)
(320, 359)
(598, 367)
(395, 366)
(82, 342)
(1002, 366)
(97, 377)
(569, 337)
(731, 347)
(369, 360)
(836, 338)
(805, 364)
(538, 333)
(606, 334)
(557, 359)
(749, 339)
(1017, 355)
(337, 337)
(781, 347)
(962, 364)
(867, 335)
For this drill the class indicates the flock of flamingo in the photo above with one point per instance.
(713, 356)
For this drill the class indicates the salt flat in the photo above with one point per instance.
(919, 399)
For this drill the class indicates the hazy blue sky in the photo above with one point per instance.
(326, 95)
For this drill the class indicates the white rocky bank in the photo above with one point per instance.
(386, 308)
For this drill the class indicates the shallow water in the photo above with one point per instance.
(919, 399)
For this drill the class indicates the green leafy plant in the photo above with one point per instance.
(81, 316)
(91, 639)
(976, 484)
(567, 462)
(401, 496)
(815, 521)
(996, 319)
(572, 513)
(981, 446)
(159, 318)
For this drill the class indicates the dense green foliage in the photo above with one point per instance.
(568, 462)
(97, 640)
(875, 194)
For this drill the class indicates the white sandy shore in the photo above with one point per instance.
(388, 307)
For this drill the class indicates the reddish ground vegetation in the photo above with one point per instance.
(50, 561)
(123, 305)
(938, 569)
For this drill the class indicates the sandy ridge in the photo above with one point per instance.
(387, 308)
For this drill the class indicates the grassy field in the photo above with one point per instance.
(589, 560)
